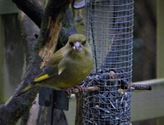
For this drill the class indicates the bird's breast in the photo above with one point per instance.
(76, 71)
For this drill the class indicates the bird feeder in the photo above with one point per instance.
(109, 25)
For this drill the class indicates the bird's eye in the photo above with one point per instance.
(71, 43)
(83, 42)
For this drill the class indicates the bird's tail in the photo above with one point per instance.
(23, 91)
(48, 72)
(35, 82)
(26, 89)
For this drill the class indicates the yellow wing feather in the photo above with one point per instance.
(41, 78)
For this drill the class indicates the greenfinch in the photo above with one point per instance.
(68, 66)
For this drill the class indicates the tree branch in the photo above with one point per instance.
(32, 8)
(18, 105)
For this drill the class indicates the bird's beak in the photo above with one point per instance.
(77, 46)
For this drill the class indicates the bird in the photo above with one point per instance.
(67, 67)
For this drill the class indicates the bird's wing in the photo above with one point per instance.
(61, 69)
(57, 57)
(47, 73)
(52, 67)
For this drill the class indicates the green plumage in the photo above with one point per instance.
(71, 65)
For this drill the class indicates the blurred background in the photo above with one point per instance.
(148, 63)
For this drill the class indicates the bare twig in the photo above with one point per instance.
(78, 90)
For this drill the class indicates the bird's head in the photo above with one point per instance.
(78, 43)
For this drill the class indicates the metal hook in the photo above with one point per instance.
(78, 5)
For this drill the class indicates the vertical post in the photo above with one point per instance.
(160, 38)
(6, 7)
(1, 59)
(14, 53)
(160, 45)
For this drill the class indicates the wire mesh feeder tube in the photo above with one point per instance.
(109, 26)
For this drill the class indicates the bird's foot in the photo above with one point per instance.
(74, 90)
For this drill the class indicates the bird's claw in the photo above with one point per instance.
(75, 90)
